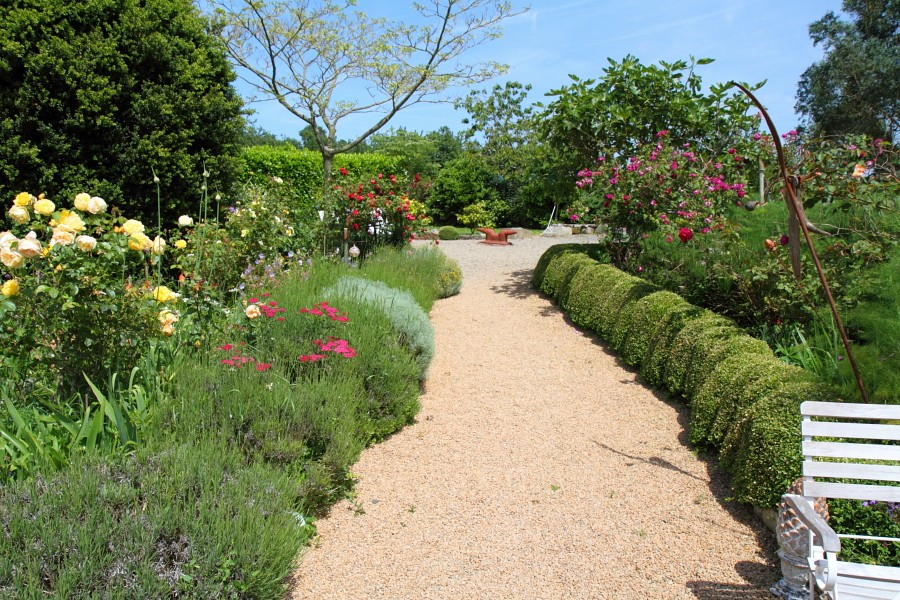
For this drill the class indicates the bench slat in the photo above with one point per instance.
(863, 431)
(843, 450)
(850, 410)
(851, 491)
(813, 468)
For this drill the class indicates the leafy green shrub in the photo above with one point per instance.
(712, 349)
(592, 250)
(450, 278)
(461, 182)
(589, 284)
(475, 216)
(762, 448)
(763, 451)
(615, 304)
(684, 348)
(126, 86)
(640, 321)
(724, 396)
(559, 273)
(408, 317)
(856, 517)
(448, 233)
(653, 367)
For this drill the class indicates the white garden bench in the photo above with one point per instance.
(841, 442)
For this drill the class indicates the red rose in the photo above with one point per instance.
(685, 234)
(344, 171)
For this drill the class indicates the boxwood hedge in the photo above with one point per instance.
(744, 401)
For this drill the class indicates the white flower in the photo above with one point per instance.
(159, 245)
(85, 243)
(7, 238)
(29, 246)
(185, 221)
(19, 215)
(96, 205)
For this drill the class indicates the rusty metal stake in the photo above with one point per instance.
(797, 209)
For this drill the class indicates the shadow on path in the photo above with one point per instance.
(519, 285)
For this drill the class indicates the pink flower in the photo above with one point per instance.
(685, 234)
(226, 347)
(263, 366)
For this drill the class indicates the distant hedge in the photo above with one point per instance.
(745, 403)
(302, 169)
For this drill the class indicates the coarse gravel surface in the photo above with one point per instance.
(538, 468)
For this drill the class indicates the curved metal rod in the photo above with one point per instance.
(798, 209)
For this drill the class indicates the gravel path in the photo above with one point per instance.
(538, 468)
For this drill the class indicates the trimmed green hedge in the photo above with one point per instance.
(302, 170)
(744, 401)
(592, 250)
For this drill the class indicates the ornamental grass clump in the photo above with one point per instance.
(416, 270)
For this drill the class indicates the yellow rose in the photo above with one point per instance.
(139, 242)
(131, 227)
(19, 214)
(181, 244)
(252, 311)
(10, 288)
(29, 246)
(167, 317)
(44, 207)
(10, 258)
(23, 199)
(96, 205)
(70, 221)
(158, 246)
(163, 294)
(62, 237)
(81, 201)
(85, 243)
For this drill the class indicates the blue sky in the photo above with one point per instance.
(749, 40)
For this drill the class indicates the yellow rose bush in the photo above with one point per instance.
(78, 297)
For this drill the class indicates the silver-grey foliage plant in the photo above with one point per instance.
(406, 315)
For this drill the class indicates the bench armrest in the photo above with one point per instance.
(825, 535)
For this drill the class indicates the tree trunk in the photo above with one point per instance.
(327, 162)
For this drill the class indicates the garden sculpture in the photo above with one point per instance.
(497, 238)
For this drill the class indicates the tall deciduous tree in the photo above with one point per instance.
(324, 61)
(855, 88)
(632, 102)
(93, 93)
